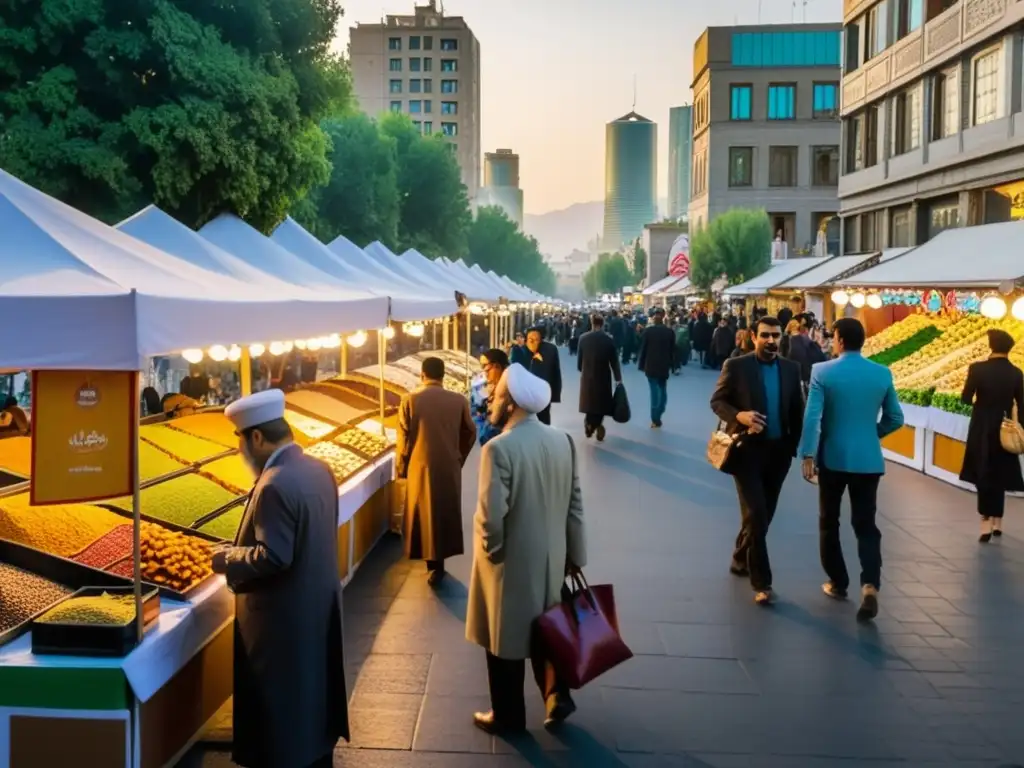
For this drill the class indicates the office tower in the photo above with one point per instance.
(766, 128)
(630, 179)
(501, 184)
(680, 159)
(425, 65)
(933, 125)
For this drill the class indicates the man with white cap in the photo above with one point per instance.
(529, 518)
(290, 704)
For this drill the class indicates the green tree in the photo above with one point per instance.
(435, 215)
(496, 243)
(199, 107)
(638, 262)
(735, 245)
(609, 274)
(360, 200)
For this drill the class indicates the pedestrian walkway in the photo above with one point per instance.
(716, 681)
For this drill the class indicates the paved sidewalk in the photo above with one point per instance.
(716, 680)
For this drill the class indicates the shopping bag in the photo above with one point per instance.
(722, 447)
(1011, 434)
(620, 405)
(580, 635)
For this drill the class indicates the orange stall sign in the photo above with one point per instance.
(84, 426)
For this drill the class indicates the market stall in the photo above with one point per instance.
(927, 311)
(812, 285)
(762, 292)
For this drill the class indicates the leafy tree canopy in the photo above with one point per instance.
(198, 106)
(496, 243)
(736, 245)
(609, 274)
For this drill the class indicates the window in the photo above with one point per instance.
(450, 129)
(428, 64)
(395, 65)
(428, 127)
(854, 128)
(906, 133)
(782, 102)
(899, 229)
(853, 45)
(428, 85)
(449, 65)
(741, 166)
(449, 108)
(449, 44)
(871, 136)
(428, 106)
(868, 232)
(395, 86)
(428, 43)
(394, 43)
(396, 106)
(909, 15)
(415, 64)
(740, 107)
(875, 37)
(942, 216)
(986, 88)
(449, 86)
(415, 107)
(418, 125)
(825, 166)
(786, 49)
(415, 86)
(414, 42)
(946, 104)
(826, 100)
(782, 166)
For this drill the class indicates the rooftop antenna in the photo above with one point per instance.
(634, 93)
(759, 2)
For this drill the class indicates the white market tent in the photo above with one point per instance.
(680, 286)
(777, 274)
(385, 259)
(423, 271)
(481, 291)
(982, 256)
(826, 273)
(660, 286)
(84, 295)
(406, 303)
(515, 291)
(354, 256)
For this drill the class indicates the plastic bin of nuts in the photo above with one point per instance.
(94, 622)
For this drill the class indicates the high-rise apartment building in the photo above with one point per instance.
(501, 184)
(766, 127)
(933, 127)
(680, 160)
(427, 66)
(630, 179)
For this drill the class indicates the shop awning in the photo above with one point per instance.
(660, 286)
(969, 257)
(778, 273)
(826, 273)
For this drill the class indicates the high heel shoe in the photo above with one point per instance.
(986, 530)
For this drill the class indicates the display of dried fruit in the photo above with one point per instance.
(154, 463)
(361, 441)
(59, 529)
(169, 559)
(232, 472)
(180, 445)
(182, 500)
(108, 549)
(322, 406)
(226, 525)
(210, 426)
(16, 455)
(24, 594)
(104, 610)
(373, 427)
(307, 425)
(341, 462)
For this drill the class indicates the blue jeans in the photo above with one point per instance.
(659, 397)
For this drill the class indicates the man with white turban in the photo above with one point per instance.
(529, 515)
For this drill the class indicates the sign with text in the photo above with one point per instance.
(83, 433)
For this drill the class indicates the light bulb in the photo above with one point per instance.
(288, 346)
(235, 353)
(277, 348)
(333, 341)
(414, 329)
(256, 350)
(314, 345)
(192, 355)
(993, 307)
(840, 298)
(388, 333)
(218, 353)
(858, 300)
(1018, 308)
(874, 301)
(357, 339)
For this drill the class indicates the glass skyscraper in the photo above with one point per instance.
(630, 179)
(680, 159)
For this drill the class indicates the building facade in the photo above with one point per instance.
(680, 160)
(501, 184)
(657, 242)
(630, 179)
(933, 128)
(766, 128)
(425, 65)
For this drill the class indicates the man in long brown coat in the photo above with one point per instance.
(435, 436)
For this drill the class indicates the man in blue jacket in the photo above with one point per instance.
(841, 445)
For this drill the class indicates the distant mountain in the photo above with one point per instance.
(559, 232)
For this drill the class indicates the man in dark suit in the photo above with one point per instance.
(544, 363)
(598, 364)
(759, 397)
(657, 359)
(616, 326)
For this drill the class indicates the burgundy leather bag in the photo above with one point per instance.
(581, 633)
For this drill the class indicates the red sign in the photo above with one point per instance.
(679, 263)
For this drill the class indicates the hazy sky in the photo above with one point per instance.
(555, 71)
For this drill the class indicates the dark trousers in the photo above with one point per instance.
(505, 678)
(435, 565)
(759, 478)
(593, 421)
(991, 502)
(545, 416)
(863, 490)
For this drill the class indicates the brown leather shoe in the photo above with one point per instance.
(487, 723)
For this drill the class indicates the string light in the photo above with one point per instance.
(840, 298)
(993, 307)
(1018, 308)
(357, 339)
(388, 333)
(235, 353)
(256, 350)
(874, 301)
(858, 300)
(277, 348)
(218, 353)
(192, 355)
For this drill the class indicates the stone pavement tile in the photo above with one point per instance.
(808, 675)
(667, 673)
(375, 758)
(446, 725)
(707, 641)
(459, 671)
(911, 685)
(425, 631)
(383, 720)
(642, 637)
(392, 673)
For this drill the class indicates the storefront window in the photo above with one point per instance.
(1005, 203)
(943, 216)
(899, 230)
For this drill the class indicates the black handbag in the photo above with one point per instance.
(621, 413)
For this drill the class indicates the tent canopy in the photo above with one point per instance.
(778, 273)
(660, 286)
(826, 273)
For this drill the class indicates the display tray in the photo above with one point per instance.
(181, 500)
(61, 573)
(218, 525)
(332, 410)
(9, 480)
(85, 639)
(363, 443)
(356, 396)
(393, 393)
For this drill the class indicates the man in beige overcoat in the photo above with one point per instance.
(527, 533)
(435, 435)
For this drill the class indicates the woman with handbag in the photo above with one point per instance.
(995, 438)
